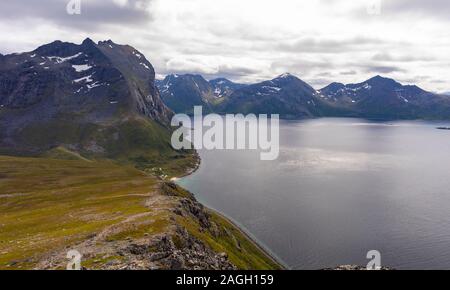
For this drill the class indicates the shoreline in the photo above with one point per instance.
(189, 171)
(253, 240)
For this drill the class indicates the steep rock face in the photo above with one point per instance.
(64, 93)
(140, 76)
(381, 97)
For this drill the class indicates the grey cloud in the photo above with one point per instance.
(93, 13)
(382, 69)
(439, 8)
(348, 73)
(324, 74)
(405, 58)
(413, 80)
(313, 45)
(319, 83)
(229, 71)
(235, 71)
(301, 66)
(439, 81)
(409, 8)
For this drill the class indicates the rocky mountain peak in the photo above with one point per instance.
(285, 76)
(57, 48)
(88, 42)
(335, 85)
(92, 83)
(106, 42)
(383, 81)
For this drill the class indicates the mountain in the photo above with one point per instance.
(292, 98)
(286, 95)
(93, 99)
(381, 97)
(224, 87)
(182, 92)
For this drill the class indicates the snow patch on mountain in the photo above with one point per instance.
(59, 60)
(144, 65)
(82, 67)
(87, 79)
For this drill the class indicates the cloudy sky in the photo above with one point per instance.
(320, 41)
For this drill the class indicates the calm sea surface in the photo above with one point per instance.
(340, 188)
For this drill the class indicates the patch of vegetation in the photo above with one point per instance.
(46, 204)
(63, 153)
(147, 226)
(171, 189)
(241, 251)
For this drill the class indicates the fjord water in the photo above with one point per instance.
(340, 188)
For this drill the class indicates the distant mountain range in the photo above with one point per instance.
(381, 97)
(293, 98)
(98, 99)
(182, 92)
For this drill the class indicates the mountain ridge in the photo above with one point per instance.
(286, 95)
(381, 97)
(96, 99)
(292, 98)
(181, 92)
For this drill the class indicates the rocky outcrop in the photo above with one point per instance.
(181, 251)
(175, 248)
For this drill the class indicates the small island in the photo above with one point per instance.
(443, 128)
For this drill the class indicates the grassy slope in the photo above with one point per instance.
(132, 141)
(49, 204)
(46, 204)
